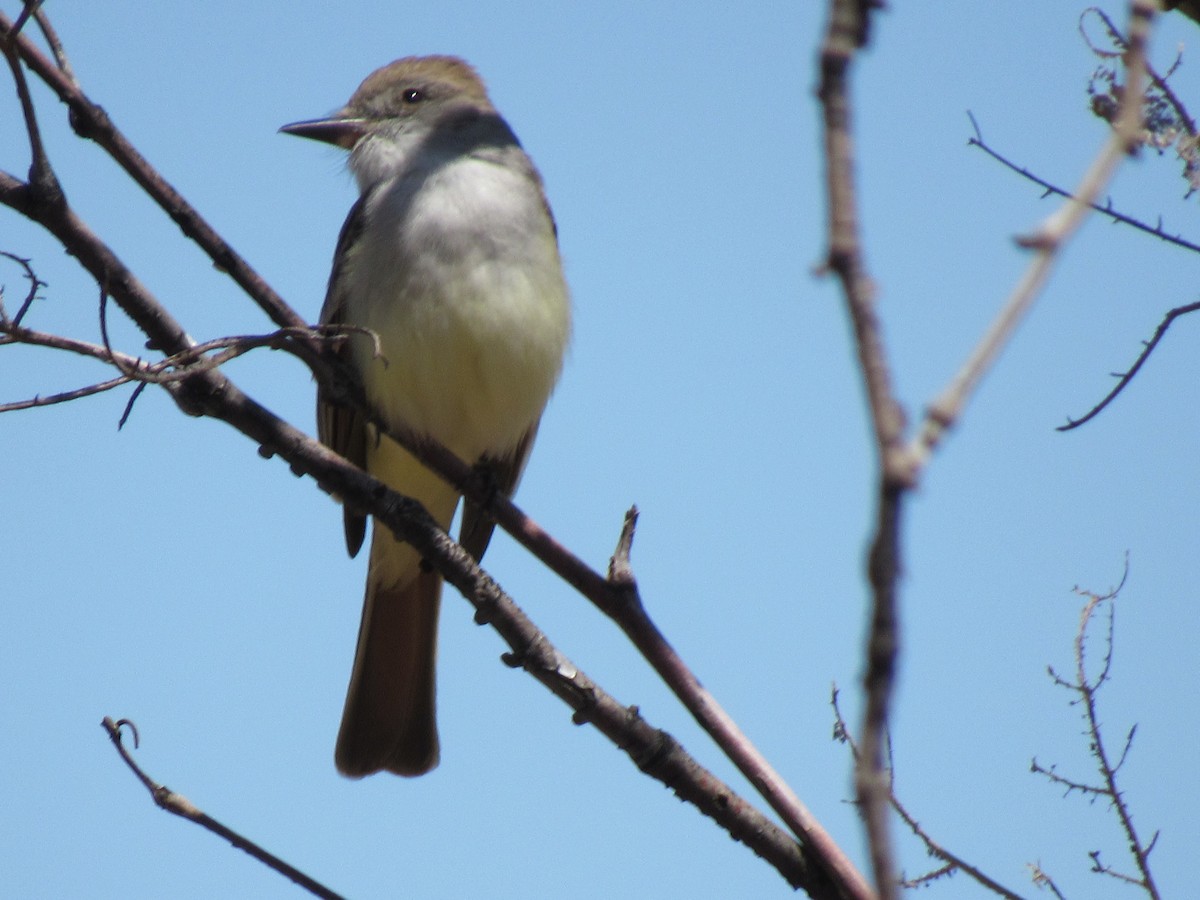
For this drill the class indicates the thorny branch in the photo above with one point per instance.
(1124, 378)
(816, 863)
(1086, 688)
(1148, 347)
(1049, 188)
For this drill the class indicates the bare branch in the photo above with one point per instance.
(1106, 209)
(90, 121)
(35, 284)
(39, 400)
(953, 862)
(175, 368)
(900, 463)
(1086, 688)
(1185, 122)
(1125, 377)
(178, 805)
(845, 34)
(1071, 785)
(1047, 242)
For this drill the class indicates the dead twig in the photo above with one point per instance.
(179, 805)
(1085, 686)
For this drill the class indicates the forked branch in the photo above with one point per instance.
(900, 459)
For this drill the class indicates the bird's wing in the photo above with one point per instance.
(339, 428)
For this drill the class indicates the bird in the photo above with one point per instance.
(448, 281)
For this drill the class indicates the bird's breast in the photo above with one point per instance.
(457, 271)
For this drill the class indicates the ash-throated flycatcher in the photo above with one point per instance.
(450, 257)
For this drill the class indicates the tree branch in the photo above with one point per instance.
(178, 805)
(1052, 189)
(1107, 209)
(1125, 377)
(1046, 243)
(899, 462)
(952, 861)
(846, 33)
(1086, 688)
(91, 121)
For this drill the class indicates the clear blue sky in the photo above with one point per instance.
(168, 574)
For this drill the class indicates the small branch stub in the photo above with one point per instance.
(620, 570)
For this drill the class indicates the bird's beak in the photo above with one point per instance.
(344, 131)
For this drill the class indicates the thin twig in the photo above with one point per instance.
(39, 400)
(56, 45)
(178, 805)
(1086, 687)
(933, 848)
(1125, 377)
(31, 7)
(35, 284)
(175, 368)
(1049, 188)
(92, 122)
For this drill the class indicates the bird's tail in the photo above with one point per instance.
(389, 720)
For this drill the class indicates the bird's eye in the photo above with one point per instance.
(414, 95)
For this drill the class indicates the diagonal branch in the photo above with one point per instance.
(1124, 378)
(1052, 189)
(91, 121)
(179, 805)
